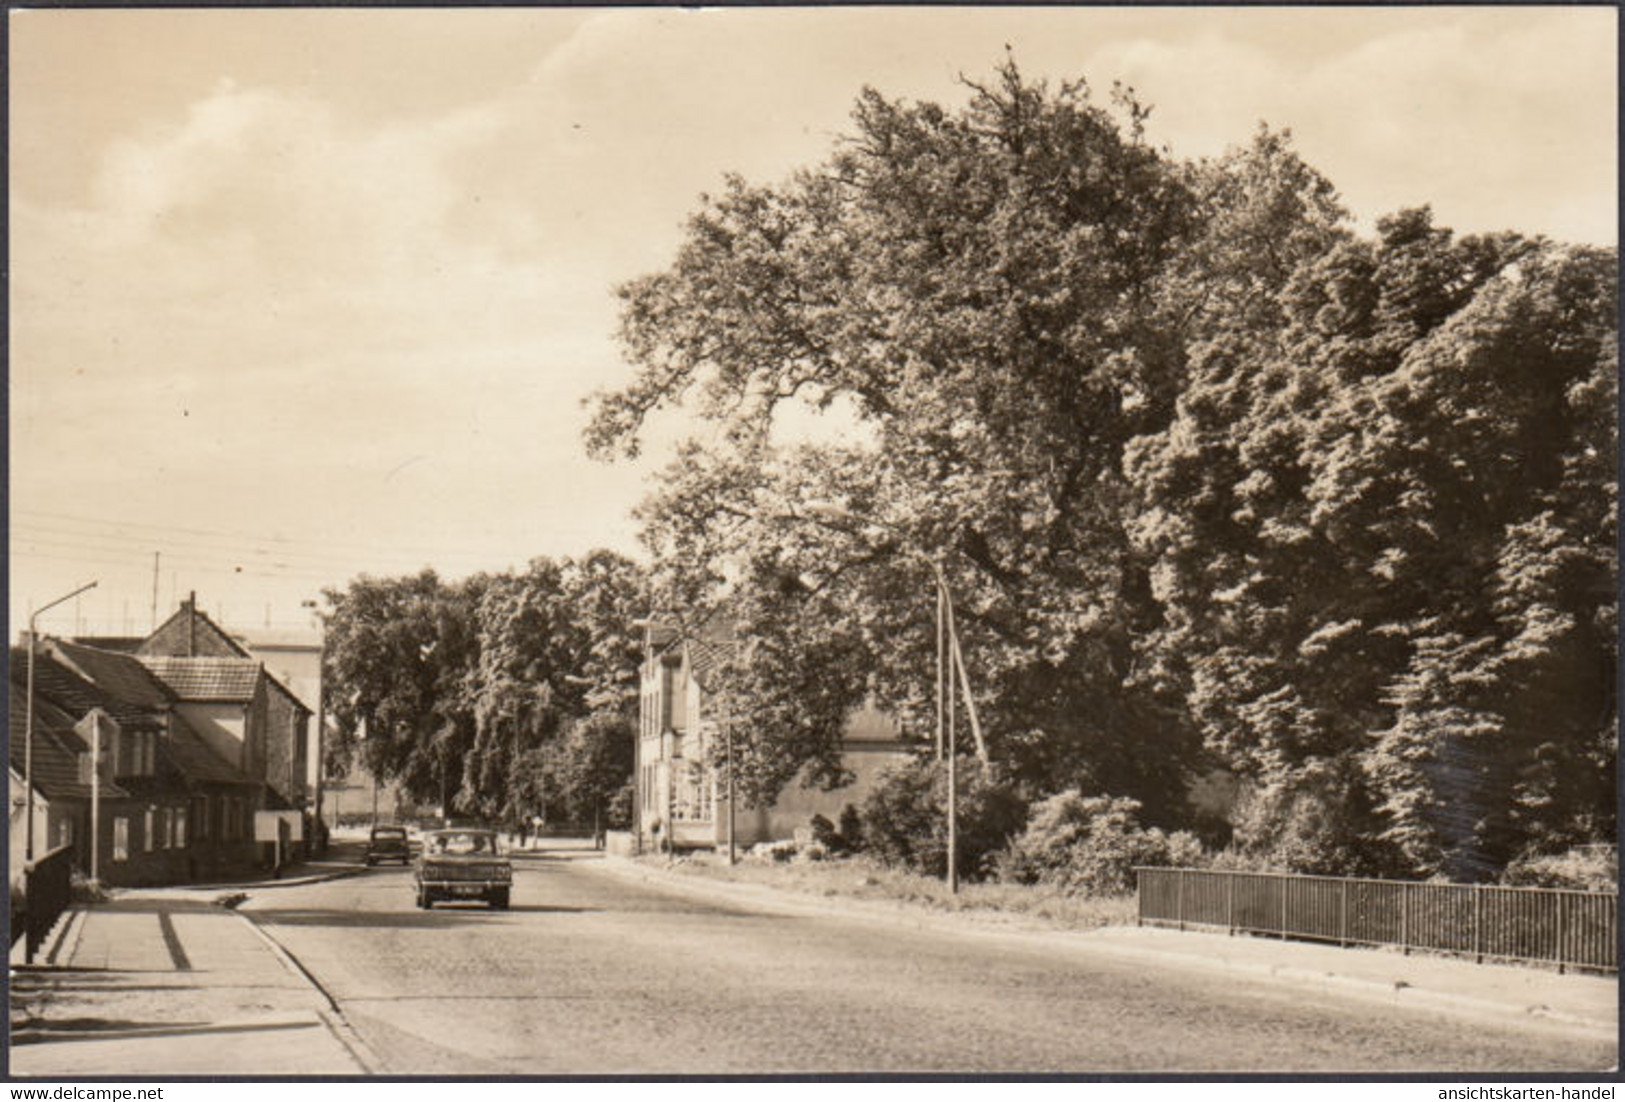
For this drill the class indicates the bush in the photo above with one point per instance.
(1090, 845)
(825, 835)
(905, 822)
(1584, 868)
(773, 851)
(851, 828)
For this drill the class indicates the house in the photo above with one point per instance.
(681, 798)
(245, 713)
(170, 809)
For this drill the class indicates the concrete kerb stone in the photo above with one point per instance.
(1391, 993)
(331, 1015)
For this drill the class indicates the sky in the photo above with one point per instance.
(297, 295)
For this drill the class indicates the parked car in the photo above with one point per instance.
(389, 843)
(462, 864)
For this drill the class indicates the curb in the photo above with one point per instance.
(331, 1016)
(1398, 993)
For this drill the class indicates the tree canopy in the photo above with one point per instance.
(1213, 480)
(467, 692)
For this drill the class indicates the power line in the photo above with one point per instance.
(248, 538)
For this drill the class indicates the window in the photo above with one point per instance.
(200, 818)
(180, 828)
(121, 839)
(147, 831)
(64, 832)
(166, 829)
(691, 795)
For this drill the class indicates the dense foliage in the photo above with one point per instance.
(502, 696)
(903, 821)
(1090, 845)
(1214, 481)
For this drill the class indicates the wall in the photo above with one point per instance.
(223, 726)
(18, 823)
(868, 761)
(286, 730)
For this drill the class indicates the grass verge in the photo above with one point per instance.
(863, 878)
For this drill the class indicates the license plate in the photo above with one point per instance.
(469, 889)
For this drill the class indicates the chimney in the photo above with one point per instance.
(191, 624)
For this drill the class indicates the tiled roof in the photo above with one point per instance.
(122, 675)
(207, 679)
(56, 749)
(124, 644)
(158, 643)
(705, 658)
(71, 691)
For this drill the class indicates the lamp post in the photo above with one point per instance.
(28, 718)
(949, 655)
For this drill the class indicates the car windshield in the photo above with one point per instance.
(389, 833)
(459, 843)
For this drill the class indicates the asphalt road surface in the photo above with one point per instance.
(591, 974)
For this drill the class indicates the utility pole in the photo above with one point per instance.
(28, 719)
(154, 627)
(95, 793)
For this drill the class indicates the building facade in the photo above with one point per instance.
(681, 797)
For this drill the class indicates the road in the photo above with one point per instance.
(593, 974)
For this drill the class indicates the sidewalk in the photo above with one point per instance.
(1539, 998)
(151, 983)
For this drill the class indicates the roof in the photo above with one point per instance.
(215, 680)
(122, 675)
(71, 690)
(125, 644)
(229, 680)
(299, 639)
(158, 643)
(705, 658)
(56, 752)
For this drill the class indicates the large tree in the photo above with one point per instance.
(1384, 545)
(463, 691)
(1001, 298)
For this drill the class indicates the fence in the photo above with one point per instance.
(47, 888)
(1566, 928)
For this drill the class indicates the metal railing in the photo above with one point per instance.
(47, 891)
(1566, 928)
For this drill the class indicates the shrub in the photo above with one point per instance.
(905, 822)
(1090, 845)
(851, 828)
(773, 851)
(1584, 868)
(824, 834)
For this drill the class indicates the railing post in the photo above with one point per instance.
(1283, 882)
(1180, 905)
(1343, 916)
(1230, 901)
(1478, 923)
(1139, 897)
(1405, 919)
(1562, 898)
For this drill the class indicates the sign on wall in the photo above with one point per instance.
(265, 825)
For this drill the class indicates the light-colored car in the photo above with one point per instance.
(462, 864)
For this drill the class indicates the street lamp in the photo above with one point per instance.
(948, 653)
(28, 719)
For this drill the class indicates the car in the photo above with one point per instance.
(462, 864)
(388, 843)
